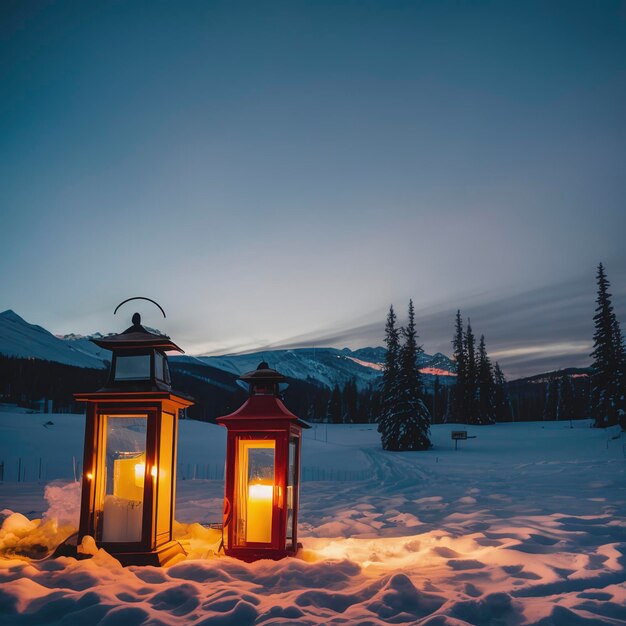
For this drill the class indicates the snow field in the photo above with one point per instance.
(526, 524)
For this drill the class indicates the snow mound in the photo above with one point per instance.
(63, 503)
(524, 525)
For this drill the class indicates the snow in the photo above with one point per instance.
(526, 524)
(18, 338)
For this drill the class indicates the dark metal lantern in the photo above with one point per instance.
(129, 478)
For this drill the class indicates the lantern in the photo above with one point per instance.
(129, 478)
(262, 472)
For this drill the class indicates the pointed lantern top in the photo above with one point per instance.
(264, 403)
(136, 336)
(263, 379)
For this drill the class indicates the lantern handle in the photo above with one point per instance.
(139, 298)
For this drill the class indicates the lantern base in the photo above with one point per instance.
(256, 554)
(167, 554)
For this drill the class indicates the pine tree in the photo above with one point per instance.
(501, 396)
(607, 392)
(471, 377)
(566, 405)
(486, 387)
(334, 406)
(410, 427)
(552, 400)
(350, 398)
(436, 400)
(389, 396)
(456, 403)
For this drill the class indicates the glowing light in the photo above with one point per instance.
(89, 476)
(259, 512)
(140, 470)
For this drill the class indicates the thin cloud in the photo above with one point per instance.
(541, 329)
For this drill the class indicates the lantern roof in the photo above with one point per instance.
(136, 336)
(263, 374)
(263, 406)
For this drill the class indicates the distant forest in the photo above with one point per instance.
(39, 384)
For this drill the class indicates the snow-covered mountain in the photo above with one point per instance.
(322, 366)
(326, 366)
(18, 338)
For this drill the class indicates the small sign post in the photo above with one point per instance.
(456, 435)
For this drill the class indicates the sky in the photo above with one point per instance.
(278, 173)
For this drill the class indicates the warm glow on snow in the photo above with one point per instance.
(523, 524)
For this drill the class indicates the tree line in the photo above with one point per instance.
(480, 394)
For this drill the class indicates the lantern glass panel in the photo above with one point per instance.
(166, 450)
(158, 366)
(291, 492)
(136, 367)
(123, 478)
(255, 491)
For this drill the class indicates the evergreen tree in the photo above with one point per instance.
(471, 377)
(501, 396)
(350, 397)
(436, 400)
(333, 413)
(486, 387)
(310, 413)
(389, 395)
(607, 392)
(552, 400)
(566, 405)
(410, 427)
(456, 412)
(373, 404)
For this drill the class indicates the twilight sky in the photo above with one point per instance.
(278, 173)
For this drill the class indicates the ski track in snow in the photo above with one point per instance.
(496, 534)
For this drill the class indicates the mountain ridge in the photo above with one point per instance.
(325, 366)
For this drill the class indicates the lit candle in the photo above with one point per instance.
(140, 470)
(259, 512)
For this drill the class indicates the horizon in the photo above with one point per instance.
(520, 361)
(278, 175)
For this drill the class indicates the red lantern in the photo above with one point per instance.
(262, 472)
(129, 479)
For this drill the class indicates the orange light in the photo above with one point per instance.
(260, 496)
(140, 470)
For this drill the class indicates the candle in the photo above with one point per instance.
(259, 513)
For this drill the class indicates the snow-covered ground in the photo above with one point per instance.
(526, 524)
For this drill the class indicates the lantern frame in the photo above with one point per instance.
(262, 418)
(146, 397)
(154, 547)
